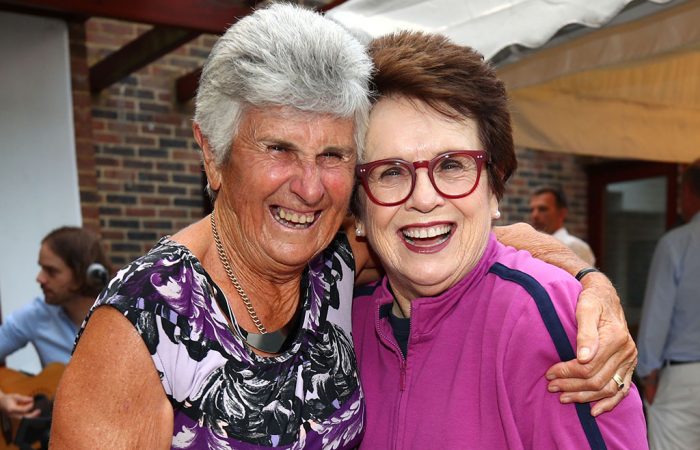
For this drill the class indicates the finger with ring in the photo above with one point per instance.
(619, 381)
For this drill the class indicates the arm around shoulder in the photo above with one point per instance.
(604, 345)
(110, 395)
(540, 245)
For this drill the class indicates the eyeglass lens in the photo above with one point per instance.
(451, 175)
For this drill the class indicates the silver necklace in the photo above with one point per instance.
(268, 342)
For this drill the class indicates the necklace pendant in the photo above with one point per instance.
(272, 342)
(276, 341)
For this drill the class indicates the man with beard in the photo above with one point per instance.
(73, 270)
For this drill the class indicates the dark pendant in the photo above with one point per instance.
(276, 341)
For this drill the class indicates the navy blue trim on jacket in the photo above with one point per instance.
(558, 335)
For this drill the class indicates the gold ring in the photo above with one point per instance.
(619, 381)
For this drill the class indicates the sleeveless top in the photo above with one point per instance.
(223, 395)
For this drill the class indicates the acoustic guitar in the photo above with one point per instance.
(12, 381)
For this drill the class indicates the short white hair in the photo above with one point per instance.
(283, 55)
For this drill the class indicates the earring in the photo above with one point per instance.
(496, 215)
(359, 230)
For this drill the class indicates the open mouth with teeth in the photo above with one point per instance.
(427, 239)
(294, 219)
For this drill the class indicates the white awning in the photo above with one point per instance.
(486, 25)
(628, 90)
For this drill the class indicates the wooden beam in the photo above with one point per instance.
(205, 16)
(186, 85)
(138, 53)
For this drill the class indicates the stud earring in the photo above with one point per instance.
(496, 215)
(359, 230)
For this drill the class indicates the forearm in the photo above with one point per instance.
(649, 385)
(541, 246)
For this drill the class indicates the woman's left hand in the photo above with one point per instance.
(605, 350)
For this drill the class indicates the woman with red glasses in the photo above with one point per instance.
(453, 343)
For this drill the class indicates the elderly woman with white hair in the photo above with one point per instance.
(246, 342)
(235, 331)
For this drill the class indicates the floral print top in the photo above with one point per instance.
(224, 396)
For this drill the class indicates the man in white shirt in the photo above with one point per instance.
(548, 211)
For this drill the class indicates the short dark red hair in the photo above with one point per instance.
(453, 80)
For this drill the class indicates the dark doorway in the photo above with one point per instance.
(631, 205)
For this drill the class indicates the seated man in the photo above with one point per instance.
(73, 270)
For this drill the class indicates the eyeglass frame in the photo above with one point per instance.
(362, 172)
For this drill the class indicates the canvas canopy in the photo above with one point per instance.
(630, 90)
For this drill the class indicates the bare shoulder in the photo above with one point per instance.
(110, 395)
(197, 237)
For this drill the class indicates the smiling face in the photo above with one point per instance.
(428, 243)
(284, 191)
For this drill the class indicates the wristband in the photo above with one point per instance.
(583, 272)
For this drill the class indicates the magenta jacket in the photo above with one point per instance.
(474, 375)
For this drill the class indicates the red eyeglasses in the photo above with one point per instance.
(454, 174)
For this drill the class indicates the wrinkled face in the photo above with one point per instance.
(544, 214)
(428, 243)
(286, 187)
(55, 278)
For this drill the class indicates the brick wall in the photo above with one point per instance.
(140, 174)
(149, 175)
(538, 169)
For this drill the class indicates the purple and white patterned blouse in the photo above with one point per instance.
(223, 395)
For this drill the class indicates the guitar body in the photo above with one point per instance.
(12, 381)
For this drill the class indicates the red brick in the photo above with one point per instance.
(117, 235)
(153, 200)
(107, 138)
(175, 213)
(140, 212)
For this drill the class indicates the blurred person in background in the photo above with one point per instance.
(548, 211)
(669, 330)
(73, 269)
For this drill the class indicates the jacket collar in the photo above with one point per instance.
(429, 312)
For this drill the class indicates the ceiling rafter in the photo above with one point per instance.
(140, 52)
(175, 22)
(205, 16)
